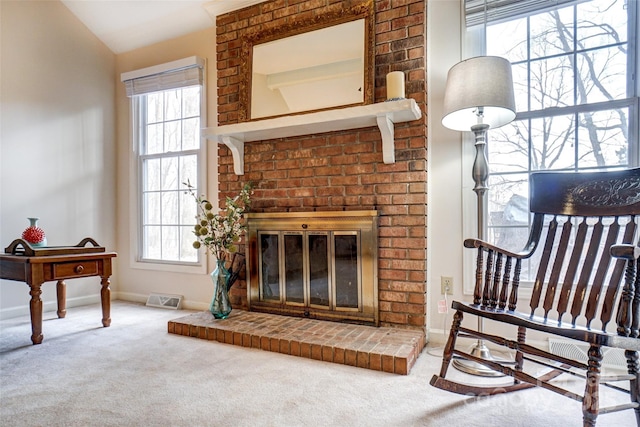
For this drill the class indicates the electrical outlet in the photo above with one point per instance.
(446, 285)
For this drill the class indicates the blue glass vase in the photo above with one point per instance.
(220, 304)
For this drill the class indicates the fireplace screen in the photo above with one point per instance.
(314, 265)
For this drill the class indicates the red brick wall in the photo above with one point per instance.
(343, 170)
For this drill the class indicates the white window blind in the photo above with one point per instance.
(181, 73)
(499, 10)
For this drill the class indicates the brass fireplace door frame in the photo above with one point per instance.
(363, 224)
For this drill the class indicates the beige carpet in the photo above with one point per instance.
(136, 374)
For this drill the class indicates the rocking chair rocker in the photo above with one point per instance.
(588, 269)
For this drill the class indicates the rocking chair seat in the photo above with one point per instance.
(551, 326)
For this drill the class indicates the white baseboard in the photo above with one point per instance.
(129, 296)
(185, 305)
(195, 305)
(47, 306)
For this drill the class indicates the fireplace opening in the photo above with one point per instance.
(320, 265)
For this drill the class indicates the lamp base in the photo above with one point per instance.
(480, 351)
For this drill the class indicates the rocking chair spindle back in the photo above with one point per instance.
(584, 242)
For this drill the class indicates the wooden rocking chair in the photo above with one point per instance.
(588, 269)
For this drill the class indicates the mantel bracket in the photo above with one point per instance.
(386, 126)
(237, 151)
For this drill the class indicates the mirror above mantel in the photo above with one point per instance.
(289, 77)
(309, 64)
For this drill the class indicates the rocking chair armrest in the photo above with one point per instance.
(625, 251)
(476, 243)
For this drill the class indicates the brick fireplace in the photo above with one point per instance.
(342, 171)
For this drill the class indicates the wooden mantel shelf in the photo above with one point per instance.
(383, 114)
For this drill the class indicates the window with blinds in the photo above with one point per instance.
(167, 106)
(574, 65)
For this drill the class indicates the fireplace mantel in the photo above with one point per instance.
(383, 114)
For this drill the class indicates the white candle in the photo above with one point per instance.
(395, 85)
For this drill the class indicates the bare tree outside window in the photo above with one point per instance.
(575, 100)
(170, 142)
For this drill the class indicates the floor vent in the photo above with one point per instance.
(613, 357)
(164, 301)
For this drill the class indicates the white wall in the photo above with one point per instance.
(138, 282)
(57, 145)
(446, 175)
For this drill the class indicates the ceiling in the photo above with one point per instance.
(124, 25)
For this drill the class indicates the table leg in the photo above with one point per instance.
(35, 306)
(105, 299)
(61, 293)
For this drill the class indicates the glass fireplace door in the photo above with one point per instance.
(294, 268)
(319, 269)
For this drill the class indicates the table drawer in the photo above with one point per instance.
(67, 270)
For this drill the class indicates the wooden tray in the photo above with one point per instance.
(22, 247)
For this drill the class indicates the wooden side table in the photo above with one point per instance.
(35, 270)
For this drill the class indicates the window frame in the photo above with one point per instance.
(136, 211)
(474, 44)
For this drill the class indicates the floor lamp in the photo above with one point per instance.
(479, 96)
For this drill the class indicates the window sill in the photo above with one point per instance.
(172, 267)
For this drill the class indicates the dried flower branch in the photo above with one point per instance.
(219, 232)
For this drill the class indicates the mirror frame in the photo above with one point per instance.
(364, 10)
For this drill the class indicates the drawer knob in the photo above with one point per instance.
(79, 269)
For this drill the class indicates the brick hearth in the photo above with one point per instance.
(382, 349)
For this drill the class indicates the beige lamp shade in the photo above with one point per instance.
(483, 81)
